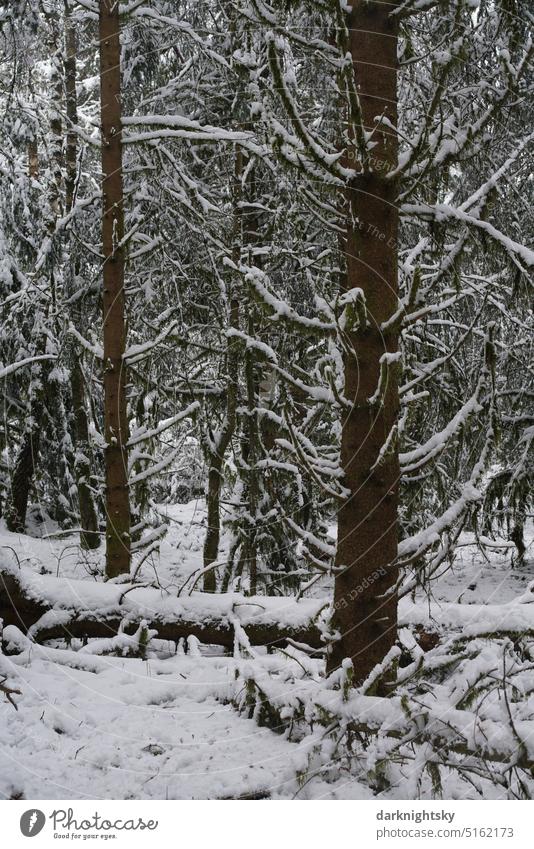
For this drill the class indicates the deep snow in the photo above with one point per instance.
(163, 727)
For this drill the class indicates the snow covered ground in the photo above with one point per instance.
(101, 726)
(131, 729)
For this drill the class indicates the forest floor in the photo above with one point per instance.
(163, 728)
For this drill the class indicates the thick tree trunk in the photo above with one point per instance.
(89, 537)
(115, 416)
(365, 604)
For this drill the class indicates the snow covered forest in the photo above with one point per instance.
(266, 337)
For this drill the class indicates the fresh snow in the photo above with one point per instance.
(94, 725)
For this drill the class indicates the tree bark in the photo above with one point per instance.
(213, 519)
(115, 413)
(252, 436)
(221, 443)
(33, 159)
(89, 537)
(250, 237)
(71, 105)
(365, 603)
(55, 103)
(23, 471)
(222, 440)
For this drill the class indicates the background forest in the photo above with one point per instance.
(267, 379)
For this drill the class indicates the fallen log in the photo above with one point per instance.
(45, 607)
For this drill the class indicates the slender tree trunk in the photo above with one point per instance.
(268, 429)
(71, 103)
(251, 238)
(365, 603)
(115, 415)
(213, 518)
(28, 455)
(251, 548)
(223, 438)
(16, 504)
(89, 537)
(23, 471)
(33, 159)
(55, 104)
(222, 441)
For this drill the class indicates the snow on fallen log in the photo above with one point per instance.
(472, 620)
(47, 607)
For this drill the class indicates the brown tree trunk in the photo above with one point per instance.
(365, 613)
(115, 416)
(89, 537)
(33, 159)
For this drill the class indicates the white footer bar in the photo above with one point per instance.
(267, 825)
